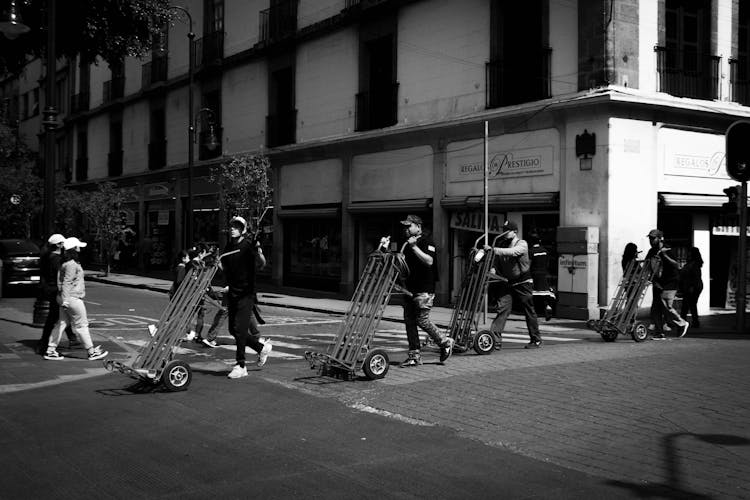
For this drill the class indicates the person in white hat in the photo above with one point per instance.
(70, 297)
(50, 265)
(239, 260)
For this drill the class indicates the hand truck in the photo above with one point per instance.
(463, 325)
(620, 316)
(351, 349)
(154, 362)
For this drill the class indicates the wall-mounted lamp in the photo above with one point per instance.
(586, 147)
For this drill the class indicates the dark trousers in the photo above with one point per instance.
(417, 314)
(52, 317)
(523, 293)
(243, 325)
(690, 304)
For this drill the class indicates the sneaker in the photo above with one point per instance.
(446, 350)
(238, 372)
(190, 335)
(209, 343)
(52, 355)
(97, 353)
(658, 336)
(534, 344)
(198, 340)
(414, 359)
(263, 354)
(684, 329)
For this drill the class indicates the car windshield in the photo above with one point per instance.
(18, 247)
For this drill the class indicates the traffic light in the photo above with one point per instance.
(738, 151)
(733, 193)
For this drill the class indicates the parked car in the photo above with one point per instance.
(20, 263)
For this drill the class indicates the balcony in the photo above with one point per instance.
(685, 73)
(204, 153)
(114, 89)
(377, 108)
(281, 128)
(154, 71)
(739, 80)
(515, 82)
(157, 154)
(114, 163)
(82, 168)
(209, 49)
(79, 102)
(279, 21)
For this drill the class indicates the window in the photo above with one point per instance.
(115, 146)
(213, 18)
(281, 121)
(377, 101)
(82, 165)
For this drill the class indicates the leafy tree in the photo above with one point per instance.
(112, 29)
(244, 187)
(102, 209)
(20, 189)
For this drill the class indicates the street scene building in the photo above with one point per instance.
(605, 119)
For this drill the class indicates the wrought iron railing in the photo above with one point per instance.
(209, 49)
(739, 80)
(686, 73)
(513, 82)
(377, 108)
(157, 154)
(281, 128)
(279, 21)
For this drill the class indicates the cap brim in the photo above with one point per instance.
(406, 222)
(82, 244)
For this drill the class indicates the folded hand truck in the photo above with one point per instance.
(351, 349)
(620, 316)
(154, 362)
(463, 326)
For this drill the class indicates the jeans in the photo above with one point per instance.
(243, 325)
(663, 311)
(75, 316)
(49, 325)
(523, 292)
(417, 314)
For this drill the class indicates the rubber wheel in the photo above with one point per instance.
(177, 376)
(609, 335)
(484, 342)
(640, 331)
(376, 364)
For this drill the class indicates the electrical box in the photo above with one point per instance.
(578, 272)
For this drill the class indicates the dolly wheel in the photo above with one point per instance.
(640, 331)
(376, 364)
(484, 342)
(177, 376)
(609, 335)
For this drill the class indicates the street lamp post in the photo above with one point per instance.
(50, 123)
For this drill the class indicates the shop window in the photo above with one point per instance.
(312, 253)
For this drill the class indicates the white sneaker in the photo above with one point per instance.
(97, 353)
(263, 354)
(209, 343)
(238, 372)
(52, 355)
(190, 336)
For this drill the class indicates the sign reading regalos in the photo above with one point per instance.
(521, 163)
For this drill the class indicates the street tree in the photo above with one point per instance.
(103, 210)
(20, 188)
(110, 29)
(244, 187)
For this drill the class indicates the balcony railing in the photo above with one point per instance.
(514, 82)
(685, 73)
(114, 163)
(348, 4)
(377, 108)
(154, 71)
(739, 80)
(79, 102)
(209, 49)
(204, 153)
(278, 21)
(157, 154)
(114, 89)
(281, 128)
(82, 168)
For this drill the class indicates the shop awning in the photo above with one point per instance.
(308, 213)
(415, 205)
(506, 202)
(691, 200)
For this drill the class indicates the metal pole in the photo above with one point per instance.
(742, 260)
(486, 203)
(191, 136)
(50, 123)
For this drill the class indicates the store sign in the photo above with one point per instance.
(520, 163)
(693, 154)
(474, 221)
(157, 190)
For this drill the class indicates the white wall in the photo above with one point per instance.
(241, 24)
(648, 38)
(563, 38)
(244, 107)
(98, 144)
(312, 11)
(135, 138)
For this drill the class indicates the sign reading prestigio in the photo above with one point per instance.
(512, 164)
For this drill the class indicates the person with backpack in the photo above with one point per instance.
(512, 263)
(664, 286)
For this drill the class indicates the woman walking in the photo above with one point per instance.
(691, 285)
(71, 291)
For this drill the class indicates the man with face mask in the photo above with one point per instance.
(420, 255)
(239, 260)
(512, 263)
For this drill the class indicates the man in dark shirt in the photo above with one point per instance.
(664, 287)
(420, 255)
(50, 265)
(239, 260)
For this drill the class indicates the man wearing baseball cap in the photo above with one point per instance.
(420, 255)
(50, 265)
(664, 287)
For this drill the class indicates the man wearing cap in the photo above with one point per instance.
(664, 286)
(512, 263)
(239, 260)
(50, 265)
(420, 255)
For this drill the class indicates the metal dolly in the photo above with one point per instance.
(154, 362)
(463, 325)
(351, 349)
(620, 316)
